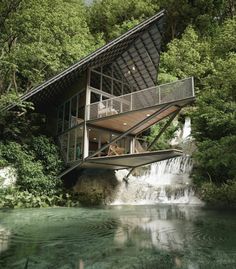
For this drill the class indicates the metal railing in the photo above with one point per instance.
(166, 93)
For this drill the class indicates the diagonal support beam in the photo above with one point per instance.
(156, 139)
(130, 130)
(163, 129)
(70, 169)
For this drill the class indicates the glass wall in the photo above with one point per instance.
(71, 112)
(99, 138)
(71, 144)
(109, 80)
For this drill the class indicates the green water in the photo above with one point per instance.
(118, 237)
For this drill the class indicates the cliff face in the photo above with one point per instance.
(96, 187)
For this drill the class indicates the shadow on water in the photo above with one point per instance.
(141, 237)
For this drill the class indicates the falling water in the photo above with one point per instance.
(162, 182)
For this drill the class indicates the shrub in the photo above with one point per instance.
(219, 195)
(47, 152)
(37, 167)
(16, 198)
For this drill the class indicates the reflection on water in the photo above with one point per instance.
(118, 237)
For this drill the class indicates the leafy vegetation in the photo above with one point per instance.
(211, 59)
(16, 198)
(165, 138)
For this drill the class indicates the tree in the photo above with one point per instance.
(212, 61)
(113, 17)
(188, 56)
(40, 38)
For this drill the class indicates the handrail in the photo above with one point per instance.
(145, 98)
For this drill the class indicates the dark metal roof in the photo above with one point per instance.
(138, 47)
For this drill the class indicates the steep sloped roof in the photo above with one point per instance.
(139, 46)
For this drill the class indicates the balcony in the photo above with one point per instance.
(142, 100)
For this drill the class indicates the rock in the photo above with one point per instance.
(8, 176)
(96, 187)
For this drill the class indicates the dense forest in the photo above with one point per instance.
(40, 38)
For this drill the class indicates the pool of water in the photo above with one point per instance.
(118, 237)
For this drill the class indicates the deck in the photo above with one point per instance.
(125, 161)
(122, 112)
(130, 160)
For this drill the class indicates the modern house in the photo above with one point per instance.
(99, 107)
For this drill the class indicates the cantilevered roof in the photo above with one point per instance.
(134, 54)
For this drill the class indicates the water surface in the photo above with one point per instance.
(118, 237)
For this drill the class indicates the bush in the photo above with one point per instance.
(219, 195)
(47, 152)
(16, 198)
(37, 165)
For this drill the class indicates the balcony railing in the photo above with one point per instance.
(166, 93)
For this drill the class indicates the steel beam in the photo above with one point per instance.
(156, 138)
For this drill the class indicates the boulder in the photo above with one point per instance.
(96, 187)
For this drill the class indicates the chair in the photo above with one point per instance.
(115, 150)
(105, 111)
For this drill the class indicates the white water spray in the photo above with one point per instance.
(162, 182)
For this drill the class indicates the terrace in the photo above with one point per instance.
(122, 112)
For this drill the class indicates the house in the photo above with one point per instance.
(99, 107)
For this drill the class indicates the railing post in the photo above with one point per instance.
(193, 86)
(131, 102)
(87, 112)
(106, 106)
(159, 90)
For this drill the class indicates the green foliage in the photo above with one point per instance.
(113, 17)
(188, 56)
(16, 198)
(164, 140)
(216, 159)
(46, 151)
(225, 38)
(34, 174)
(214, 116)
(211, 60)
(225, 195)
(40, 38)
(107, 15)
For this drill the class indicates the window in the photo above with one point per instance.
(60, 119)
(107, 84)
(71, 144)
(67, 115)
(95, 80)
(71, 113)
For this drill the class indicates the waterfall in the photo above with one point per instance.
(162, 182)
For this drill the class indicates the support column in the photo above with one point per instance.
(87, 112)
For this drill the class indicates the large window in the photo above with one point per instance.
(99, 138)
(71, 113)
(109, 80)
(71, 144)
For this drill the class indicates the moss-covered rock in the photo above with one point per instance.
(96, 187)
